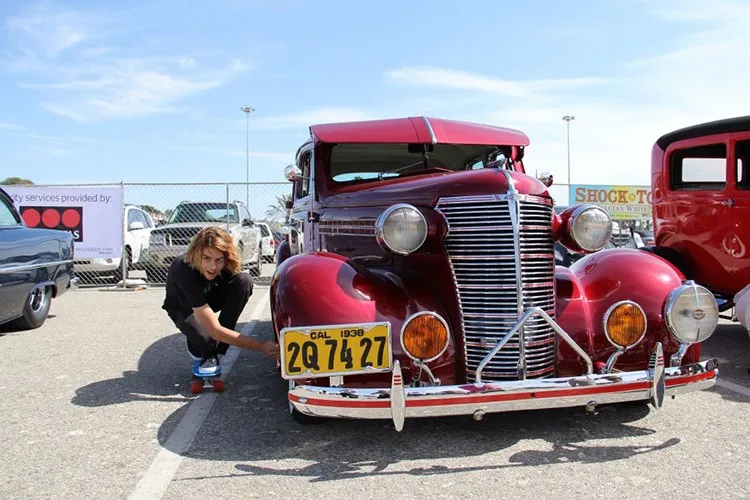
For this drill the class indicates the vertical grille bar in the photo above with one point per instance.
(501, 250)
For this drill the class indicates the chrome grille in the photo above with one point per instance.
(482, 251)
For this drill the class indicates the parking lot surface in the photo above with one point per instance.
(96, 404)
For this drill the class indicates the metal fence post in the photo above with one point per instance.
(227, 221)
(123, 230)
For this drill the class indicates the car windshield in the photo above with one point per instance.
(204, 212)
(360, 162)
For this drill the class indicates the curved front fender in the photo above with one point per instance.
(324, 288)
(610, 276)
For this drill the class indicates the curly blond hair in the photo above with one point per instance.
(218, 238)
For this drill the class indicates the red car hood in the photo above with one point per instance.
(426, 189)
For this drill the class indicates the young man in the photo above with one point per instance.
(205, 280)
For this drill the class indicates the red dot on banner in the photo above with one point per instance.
(71, 218)
(51, 218)
(31, 217)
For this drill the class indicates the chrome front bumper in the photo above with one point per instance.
(399, 402)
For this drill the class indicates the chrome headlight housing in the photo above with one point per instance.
(590, 227)
(691, 313)
(401, 229)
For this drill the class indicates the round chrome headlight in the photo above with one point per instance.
(590, 227)
(401, 229)
(691, 313)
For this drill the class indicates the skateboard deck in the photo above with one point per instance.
(201, 380)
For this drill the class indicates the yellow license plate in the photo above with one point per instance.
(335, 350)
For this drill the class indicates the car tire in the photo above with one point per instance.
(255, 269)
(118, 276)
(36, 309)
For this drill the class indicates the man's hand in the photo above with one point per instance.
(271, 349)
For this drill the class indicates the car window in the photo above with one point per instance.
(7, 215)
(264, 230)
(303, 187)
(699, 168)
(132, 216)
(742, 153)
(141, 217)
(245, 212)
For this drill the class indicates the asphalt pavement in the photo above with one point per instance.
(96, 404)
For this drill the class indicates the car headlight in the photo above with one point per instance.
(691, 313)
(424, 336)
(590, 227)
(401, 229)
(157, 239)
(625, 324)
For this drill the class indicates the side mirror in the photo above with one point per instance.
(292, 173)
(136, 225)
(546, 179)
(248, 222)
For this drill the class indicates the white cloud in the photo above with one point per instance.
(697, 77)
(11, 126)
(52, 30)
(90, 83)
(461, 80)
(132, 88)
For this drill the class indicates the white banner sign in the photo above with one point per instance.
(93, 215)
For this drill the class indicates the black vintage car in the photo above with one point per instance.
(36, 265)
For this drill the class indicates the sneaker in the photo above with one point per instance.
(210, 366)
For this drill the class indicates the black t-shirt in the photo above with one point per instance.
(188, 288)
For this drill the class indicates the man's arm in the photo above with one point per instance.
(208, 320)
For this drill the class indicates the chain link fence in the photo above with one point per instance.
(159, 220)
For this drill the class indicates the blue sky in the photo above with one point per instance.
(150, 91)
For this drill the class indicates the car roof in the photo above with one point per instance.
(418, 129)
(725, 126)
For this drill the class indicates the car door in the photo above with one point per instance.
(15, 282)
(699, 184)
(736, 240)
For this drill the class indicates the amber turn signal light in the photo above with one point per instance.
(424, 336)
(625, 324)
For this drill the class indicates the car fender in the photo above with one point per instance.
(610, 276)
(324, 288)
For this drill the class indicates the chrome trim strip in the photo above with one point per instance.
(515, 215)
(433, 139)
(495, 397)
(14, 268)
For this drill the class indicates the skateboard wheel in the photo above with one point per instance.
(218, 385)
(196, 386)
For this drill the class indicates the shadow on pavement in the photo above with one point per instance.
(730, 345)
(250, 422)
(164, 372)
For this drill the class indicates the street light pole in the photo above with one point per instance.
(567, 119)
(247, 110)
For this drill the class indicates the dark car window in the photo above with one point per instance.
(7, 215)
(264, 231)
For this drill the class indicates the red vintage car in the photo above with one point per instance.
(425, 285)
(700, 177)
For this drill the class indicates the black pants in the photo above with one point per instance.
(230, 300)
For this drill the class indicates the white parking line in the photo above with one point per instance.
(740, 389)
(157, 478)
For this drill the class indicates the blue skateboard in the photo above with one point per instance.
(203, 378)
